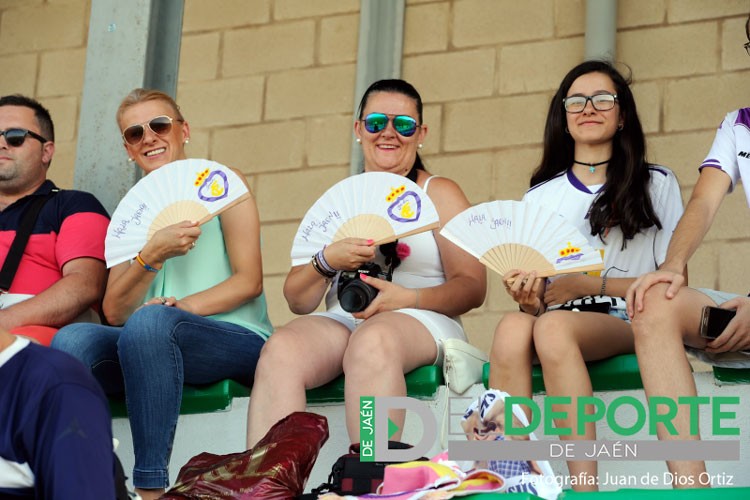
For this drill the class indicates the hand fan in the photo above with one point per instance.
(507, 235)
(375, 205)
(182, 190)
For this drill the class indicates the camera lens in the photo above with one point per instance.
(353, 293)
(356, 296)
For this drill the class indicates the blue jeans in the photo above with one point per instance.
(158, 350)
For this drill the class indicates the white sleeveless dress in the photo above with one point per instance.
(423, 268)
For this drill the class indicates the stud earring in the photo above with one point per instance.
(567, 131)
(359, 141)
(621, 126)
(187, 141)
(130, 160)
(419, 146)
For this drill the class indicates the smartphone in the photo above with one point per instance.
(714, 320)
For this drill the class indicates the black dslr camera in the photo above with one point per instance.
(354, 294)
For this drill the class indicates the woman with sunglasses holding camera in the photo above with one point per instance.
(594, 173)
(190, 308)
(400, 329)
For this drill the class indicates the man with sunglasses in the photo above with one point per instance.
(61, 273)
(666, 315)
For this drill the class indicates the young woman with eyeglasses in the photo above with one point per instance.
(594, 173)
(399, 331)
(190, 308)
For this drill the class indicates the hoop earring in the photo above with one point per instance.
(567, 131)
(621, 126)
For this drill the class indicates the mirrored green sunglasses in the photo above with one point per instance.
(403, 124)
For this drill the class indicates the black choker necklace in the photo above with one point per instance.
(592, 166)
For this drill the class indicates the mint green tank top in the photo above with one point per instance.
(205, 266)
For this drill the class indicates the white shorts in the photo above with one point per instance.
(439, 325)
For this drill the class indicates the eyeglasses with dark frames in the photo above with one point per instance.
(601, 102)
(161, 125)
(15, 137)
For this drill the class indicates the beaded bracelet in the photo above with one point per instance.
(145, 266)
(323, 262)
(319, 268)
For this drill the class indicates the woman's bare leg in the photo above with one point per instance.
(380, 352)
(306, 353)
(564, 341)
(512, 355)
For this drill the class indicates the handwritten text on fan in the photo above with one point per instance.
(122, 227)
(495, 223)
(322, 224)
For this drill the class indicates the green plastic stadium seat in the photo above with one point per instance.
(196, 399)
(727, 376)
(421, 383)
(619, 373)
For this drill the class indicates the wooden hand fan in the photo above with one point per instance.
(375, 205)
(182, 190)
(507, 235)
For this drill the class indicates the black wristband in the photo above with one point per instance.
(320, 270)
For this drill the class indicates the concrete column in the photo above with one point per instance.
(381, 42)
(601, 29)
(130, 44)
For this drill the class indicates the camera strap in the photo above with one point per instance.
(23, 233)
(390, 271)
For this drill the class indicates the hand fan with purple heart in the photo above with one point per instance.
(191, 189)
(375, 205)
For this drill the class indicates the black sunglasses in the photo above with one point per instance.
(15, 137)
(161, 125)
(377, 122)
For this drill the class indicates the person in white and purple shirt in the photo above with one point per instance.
(666, 314)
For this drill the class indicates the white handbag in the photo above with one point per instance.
(462, 364)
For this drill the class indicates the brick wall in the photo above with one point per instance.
(267, 86)
(42, 54)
